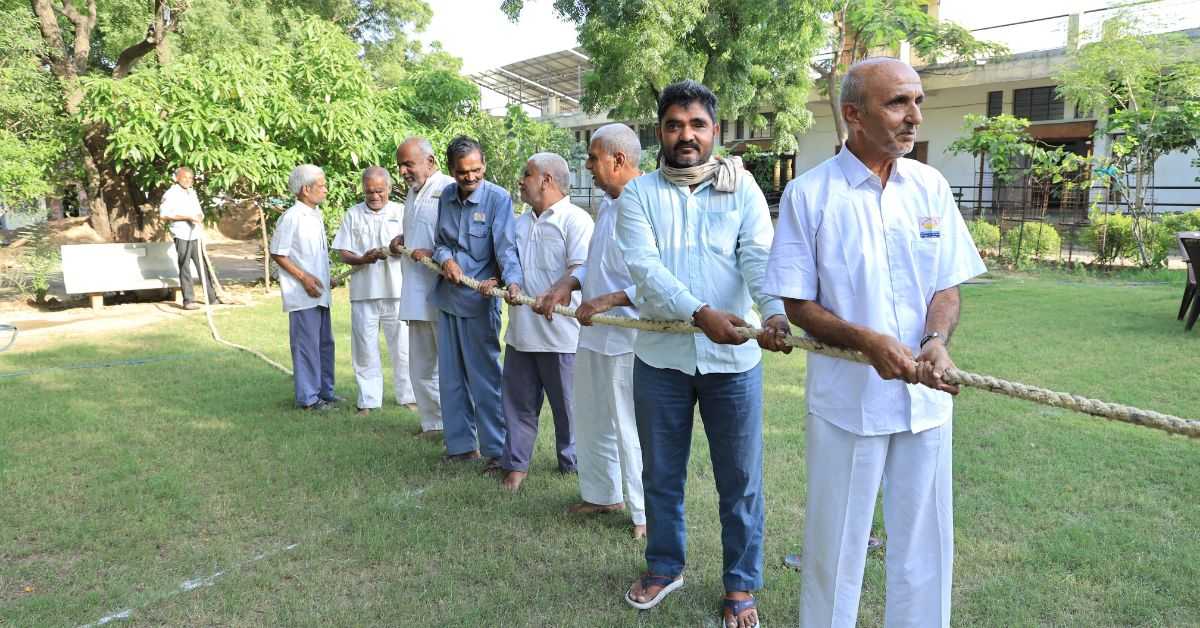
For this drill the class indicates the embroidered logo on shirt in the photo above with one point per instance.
(478, 217)
(930, 227)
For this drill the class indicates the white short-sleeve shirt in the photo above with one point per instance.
(362, 230)
(420, 226)
(547, 246)
(178, 201)
(873, 256)
(300, 235)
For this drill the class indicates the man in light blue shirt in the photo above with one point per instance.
(695, 235)
(473, 239)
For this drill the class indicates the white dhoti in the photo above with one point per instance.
(423, 370)
(367, 317)
(606, 441)
(844, 474)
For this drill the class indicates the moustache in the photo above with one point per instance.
(682, 145)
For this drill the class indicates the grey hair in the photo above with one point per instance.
(853, 88)
(555, 166)
(303, 176)
(380, 172)
(422, 144)
(618, 138)
(184, 169)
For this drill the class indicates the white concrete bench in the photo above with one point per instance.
(94, 269)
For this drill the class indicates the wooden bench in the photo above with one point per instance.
(94, 269)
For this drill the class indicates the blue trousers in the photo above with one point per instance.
(469, 383)
(311, 336)
(731, 410)
(527, 375)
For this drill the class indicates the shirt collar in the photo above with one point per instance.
(856, 171)
(474, 198)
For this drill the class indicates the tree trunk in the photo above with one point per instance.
(108, 194)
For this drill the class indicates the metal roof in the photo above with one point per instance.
(532, 81)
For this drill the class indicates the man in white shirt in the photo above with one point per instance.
(181, 207)
(418, 167)
(539, 359)
(869, 254)
(607, 446)
(375, 289)
(299, 247)
(695, 235)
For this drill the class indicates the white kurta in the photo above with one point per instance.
(416, 307)
(547, 246)
(606, 438)
(874, 256)
(375, 291)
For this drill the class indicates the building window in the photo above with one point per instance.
(1038, 103)
(741, 130)
(724, 131)
(768, 131)
(646, 135)
(578, 136)
(920, 152)
(588, 136)
(995, 104)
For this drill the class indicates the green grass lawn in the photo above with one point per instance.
(119, 484)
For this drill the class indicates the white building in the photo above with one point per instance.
(1019, 84)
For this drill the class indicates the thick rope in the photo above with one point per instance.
(1096, 407)
(212, 326)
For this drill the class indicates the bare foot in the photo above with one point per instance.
(412, 407)
(588, 508)
(363, 412)
(747, 618)
(639, 531)
(512, 481)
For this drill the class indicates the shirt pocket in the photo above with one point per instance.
(479, 242)
(550, 253)
(926, 259)
(721, 225)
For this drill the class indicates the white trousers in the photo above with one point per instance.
(606, 440)
(423, 370)
(844, 474)
(367, 317)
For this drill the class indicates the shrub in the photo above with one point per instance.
(1032, 239)
(985, 234)
(1111, 237)
(1165, 243)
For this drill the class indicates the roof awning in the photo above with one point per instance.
(555, 77)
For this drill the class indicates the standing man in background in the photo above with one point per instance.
(375, 289)
(182, 208)
(299, 247)
(418, 168)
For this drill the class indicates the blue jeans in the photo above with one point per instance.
(731, 410)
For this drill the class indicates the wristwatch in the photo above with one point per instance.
(930, 336)
(698, 308)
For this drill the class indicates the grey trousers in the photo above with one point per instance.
(189, 251)
(527, 378)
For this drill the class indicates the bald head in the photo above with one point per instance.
(881, 103)
(613, 157)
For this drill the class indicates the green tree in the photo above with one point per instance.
(862, 28)
(30, 138)
(1147, 88)
(754, 54)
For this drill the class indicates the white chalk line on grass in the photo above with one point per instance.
(211, 579)
(193, 584)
